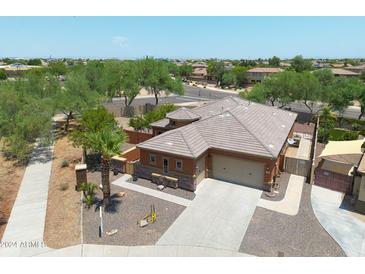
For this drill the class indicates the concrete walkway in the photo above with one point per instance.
(89, 250)
(24, 232)
(218, 217)
(341, 224)
(124, 182)
(291, 202)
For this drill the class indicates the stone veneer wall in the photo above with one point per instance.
(184, 181)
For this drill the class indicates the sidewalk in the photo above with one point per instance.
(23, 235)
(291, 202)
(124, 182)
(89, 250)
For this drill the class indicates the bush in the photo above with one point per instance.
(362, 132)
(88, 190)
(350, 135)
(356, 126)
(64, 186)
(65, 163)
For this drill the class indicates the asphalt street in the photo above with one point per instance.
(193, 94)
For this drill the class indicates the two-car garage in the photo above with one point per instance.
(239, 171)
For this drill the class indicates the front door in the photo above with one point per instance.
(165, 165)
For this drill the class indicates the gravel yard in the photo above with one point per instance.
(271, 232)
(283, 181)
(124, 216)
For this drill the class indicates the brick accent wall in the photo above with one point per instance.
(184, 181)
(136, 137)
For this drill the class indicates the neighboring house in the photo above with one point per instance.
(359, 186)
(200, 72)
(229, 139)
(357, 69)
(257, 75)
(338, 72)
(336, 165)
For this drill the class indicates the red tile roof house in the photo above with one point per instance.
(230, 139)
(257, 75)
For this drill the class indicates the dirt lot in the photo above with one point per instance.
(63, 210)
(11, 176)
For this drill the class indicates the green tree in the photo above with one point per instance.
(94, 73)
(307, 89)
(107, 142)
(185, 70)
(343, 92)
(241, 75)
(34, 62)
(327, 122)
(216, 70)
(156, 78)
(299, 64)
(92, 120)
(229, 79)
(274, 61)
(130, 81)
(3, 75)
(24, 118)
(57, 68)
(276, 89)
(76, 96)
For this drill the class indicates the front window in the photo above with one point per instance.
(152, 159)
(179, 165)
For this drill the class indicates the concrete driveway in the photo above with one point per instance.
(344, 226)
(218, 217)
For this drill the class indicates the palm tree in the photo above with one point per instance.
(107, 142)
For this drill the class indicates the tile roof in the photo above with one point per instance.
(161, 123)
(265, 70)
(338, 71)
(231, 124)
(183, 114)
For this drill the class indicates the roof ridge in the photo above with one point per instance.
(249, 131)
(187, 143)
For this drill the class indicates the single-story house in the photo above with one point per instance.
(338, 72)
(257, 75)
(336, 165)
(230, 139)
(357, 69)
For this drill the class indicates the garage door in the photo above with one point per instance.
(238, 171)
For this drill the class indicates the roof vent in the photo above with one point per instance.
(169, 143)
(283, 126)
(271, 146)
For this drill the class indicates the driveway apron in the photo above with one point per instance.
(218, 217)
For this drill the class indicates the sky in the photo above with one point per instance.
(182, 37)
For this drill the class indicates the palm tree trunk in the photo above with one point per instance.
(105, 180)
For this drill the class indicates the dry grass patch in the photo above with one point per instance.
(11, 175)
(63, 210)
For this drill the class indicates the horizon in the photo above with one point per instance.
(230, 38)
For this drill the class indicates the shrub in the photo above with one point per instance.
(88, 190)
(65, 163)
(350, 135)
(356, 126)
(64, 186)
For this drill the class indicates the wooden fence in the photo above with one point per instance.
(297, 166)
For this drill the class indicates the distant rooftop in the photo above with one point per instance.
(266, 70)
